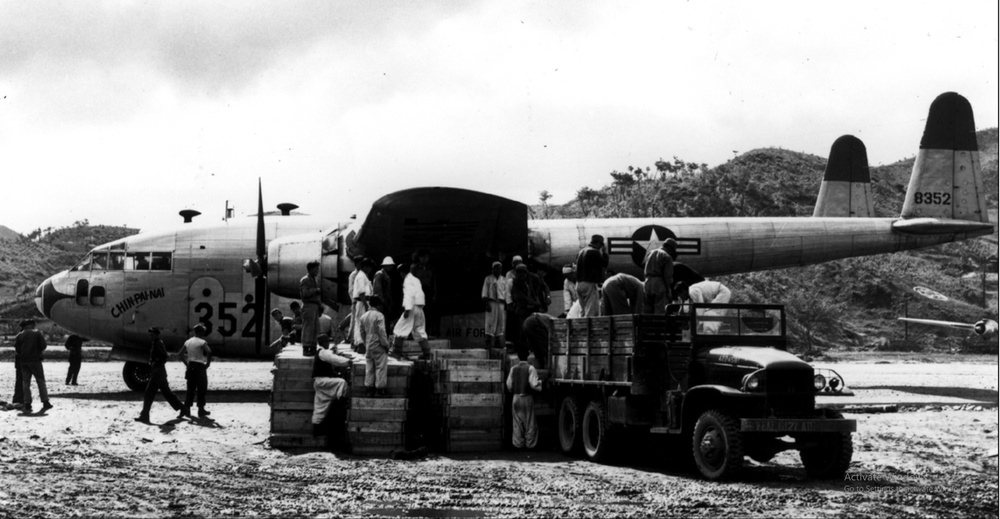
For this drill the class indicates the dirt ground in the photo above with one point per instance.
(88, 457)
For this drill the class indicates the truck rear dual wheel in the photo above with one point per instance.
(596, 444)
(831, 455)
(136, 375)
(717, 445)
(570, 425)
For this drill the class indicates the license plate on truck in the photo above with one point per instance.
(796, 425)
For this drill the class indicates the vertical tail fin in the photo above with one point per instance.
(846, 190)
(947, 181)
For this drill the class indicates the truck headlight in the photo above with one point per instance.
(754, 381)
(819, 382)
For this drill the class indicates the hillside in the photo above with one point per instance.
(25, 263)
(850, 303)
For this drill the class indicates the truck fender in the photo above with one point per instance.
(709, 396)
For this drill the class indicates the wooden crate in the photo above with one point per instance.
(439, 354)
(493, 376)
(293, 421)
(298, 441)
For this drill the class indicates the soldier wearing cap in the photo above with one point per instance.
(494, 294)
(157, 377)
(28, 346)
(197, 356)
(590, 265)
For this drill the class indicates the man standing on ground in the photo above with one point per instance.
(327, 385)
(197, 356)
(157, 377)
(494, 296)
(590, 265)
(372, 326)
(29, 345)
(659, 274)
(74, 343)
(311, 307)
(413, 315)
(521, 381)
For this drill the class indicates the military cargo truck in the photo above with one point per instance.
(719, 377)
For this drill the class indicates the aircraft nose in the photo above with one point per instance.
(38, 298)
(46, 296)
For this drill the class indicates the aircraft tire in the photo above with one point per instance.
(136, 375)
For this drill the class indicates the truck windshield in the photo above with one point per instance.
(739, 321)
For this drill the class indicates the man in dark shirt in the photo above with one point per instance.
(590, 265)
(157, 377)
(659, 273)
(28, 346)
(74, 343)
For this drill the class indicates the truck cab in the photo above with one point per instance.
(719, 376)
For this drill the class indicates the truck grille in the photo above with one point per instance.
(790, 391)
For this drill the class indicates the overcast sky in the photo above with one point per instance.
(127, 112)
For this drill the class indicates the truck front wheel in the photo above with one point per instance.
(830, 455)
(570, 420)
(595, 432)
(717, 446)
(136, 375)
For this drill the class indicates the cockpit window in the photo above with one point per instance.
(83, 265)
(99, 261)
(116, 261)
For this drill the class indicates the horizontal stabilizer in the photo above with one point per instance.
(938, 226)
(846, 190)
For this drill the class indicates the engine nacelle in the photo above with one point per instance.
(287, 258)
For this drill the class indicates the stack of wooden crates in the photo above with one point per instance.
(377, 425)
(635, 349)
(468, 400)
(292, 401)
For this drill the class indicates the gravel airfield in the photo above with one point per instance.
(87, 457)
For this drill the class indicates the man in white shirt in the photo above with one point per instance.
(197, 356)
(413, 320)
(706, 292)
(494, 296)
(362, 290)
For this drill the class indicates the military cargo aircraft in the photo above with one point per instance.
(227, 275)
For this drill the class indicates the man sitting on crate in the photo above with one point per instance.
(329, 381)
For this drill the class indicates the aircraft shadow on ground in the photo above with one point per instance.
(979, 395)
(233, 396)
